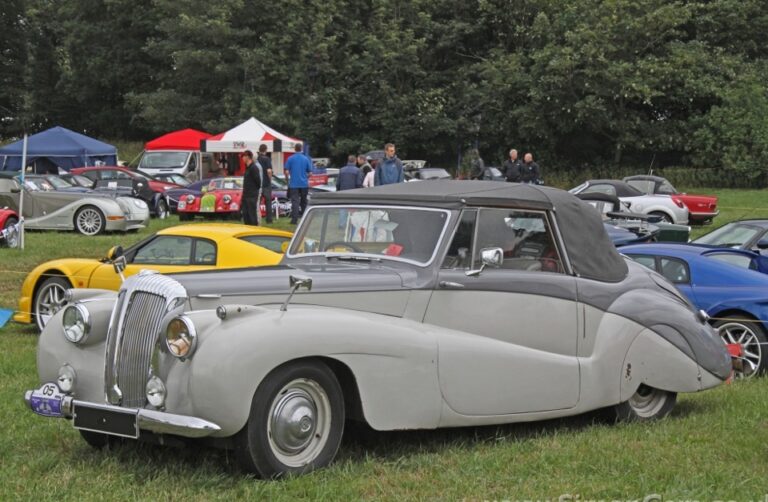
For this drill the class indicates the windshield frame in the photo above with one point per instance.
(298, 234)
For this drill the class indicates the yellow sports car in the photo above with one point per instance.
(176, 249)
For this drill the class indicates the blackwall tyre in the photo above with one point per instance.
(296, 422)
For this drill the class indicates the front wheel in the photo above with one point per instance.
(49, 299)
(646, 404)
(161, 209)
(752, 340)
(11, 233)
(296, 422)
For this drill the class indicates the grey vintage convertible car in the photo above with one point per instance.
(46, 207)
(409, 306)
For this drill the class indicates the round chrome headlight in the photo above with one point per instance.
(190, 199)
(155, 392)
(66, 378)
(76, 323)
(180, 337)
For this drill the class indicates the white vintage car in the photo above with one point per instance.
(668, 208)
(408, 306)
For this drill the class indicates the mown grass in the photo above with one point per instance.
(713, 446)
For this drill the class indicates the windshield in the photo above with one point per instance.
(226, 184)
(729, 236)
(155, 160)
(58, 182)
(398, 233)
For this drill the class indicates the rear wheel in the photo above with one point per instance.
(296, 422)
(89, 220)
(49, 299)
(753, 341)
(664, 216)
(646, 404)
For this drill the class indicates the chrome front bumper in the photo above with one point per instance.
(59, 405)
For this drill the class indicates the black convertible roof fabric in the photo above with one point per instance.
(591, 252)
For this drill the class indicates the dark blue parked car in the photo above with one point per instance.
(730, 285)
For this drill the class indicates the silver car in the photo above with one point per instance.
(407, 306)
(90, 213)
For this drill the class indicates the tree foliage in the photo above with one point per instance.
(576, 82)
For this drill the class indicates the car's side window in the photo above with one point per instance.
(646, 261)
(205, 252)
(525, 238)
(674, 270)
(459, 253)
(91, 175)
(610, 190)
(274, 243)
(165, 250)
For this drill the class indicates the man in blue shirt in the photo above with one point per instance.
(297, 168)
(390, 168)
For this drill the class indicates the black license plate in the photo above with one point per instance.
(107, 420)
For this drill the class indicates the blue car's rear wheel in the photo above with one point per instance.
(753, 342)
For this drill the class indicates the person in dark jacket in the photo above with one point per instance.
(251, 190)
(513, 167)
(530, 170)
(390, 168)
(266, 187)
(477, 165)
(349, 176)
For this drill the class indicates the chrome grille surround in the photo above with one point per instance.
(145, 304)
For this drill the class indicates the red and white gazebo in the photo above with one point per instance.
(250, 135)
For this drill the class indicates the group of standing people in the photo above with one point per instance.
(359, 173)
(514, 169)
(257, 182)
(526, 171)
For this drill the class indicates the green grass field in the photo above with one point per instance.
(713, 446)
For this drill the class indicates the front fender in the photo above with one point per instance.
(394, 362)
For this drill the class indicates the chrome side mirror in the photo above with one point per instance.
(296, 282)
(491, 257)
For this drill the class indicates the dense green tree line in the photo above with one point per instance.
(578, 82)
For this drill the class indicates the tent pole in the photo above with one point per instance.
(21, 193)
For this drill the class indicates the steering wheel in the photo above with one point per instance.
(343, 245)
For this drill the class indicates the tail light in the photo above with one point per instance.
(678, 202)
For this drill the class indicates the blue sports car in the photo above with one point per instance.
(725, 283)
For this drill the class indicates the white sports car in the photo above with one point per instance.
(669, 209)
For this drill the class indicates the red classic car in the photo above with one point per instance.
(701, 208)
(220, 198)
(9, 236)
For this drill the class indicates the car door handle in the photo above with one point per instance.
(451, 285)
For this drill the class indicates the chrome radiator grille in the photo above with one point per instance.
(144, 302)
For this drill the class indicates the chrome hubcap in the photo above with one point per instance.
(751, 350)
(647, 401)
(89, 221)
(299, 422)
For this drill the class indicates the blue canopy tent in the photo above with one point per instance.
(56, 148)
